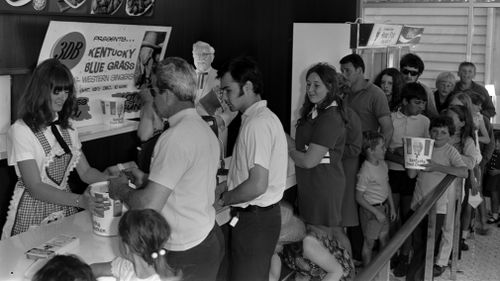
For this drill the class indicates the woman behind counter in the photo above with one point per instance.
(44, 149)
(317, 152)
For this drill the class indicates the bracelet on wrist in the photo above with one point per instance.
(77, 201)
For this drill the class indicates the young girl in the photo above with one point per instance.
(463, 141)
(64, 267)
(142, 236)
(391, 81)
(44, 148)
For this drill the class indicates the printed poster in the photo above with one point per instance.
(417, 151)
(384, 35)
(107, 60)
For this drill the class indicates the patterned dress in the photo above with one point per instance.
(25, 211)
(292, 256)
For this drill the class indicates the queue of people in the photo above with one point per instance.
(352, 186)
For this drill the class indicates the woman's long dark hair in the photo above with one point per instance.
(35, 104)
(397, 85)
(329, 77)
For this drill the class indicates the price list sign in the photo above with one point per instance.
(107, 60)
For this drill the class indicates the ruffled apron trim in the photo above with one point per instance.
(12, 212)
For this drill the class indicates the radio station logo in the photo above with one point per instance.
(69, 49)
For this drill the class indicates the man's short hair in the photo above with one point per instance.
(467, 63)
(243, 69)
(178, 76)
(370, 140)
(413, 91)
(355, 59)
(443, 121)
(446, 76)
(412, 60)
(203, 46)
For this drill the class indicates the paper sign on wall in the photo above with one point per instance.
(107, 60)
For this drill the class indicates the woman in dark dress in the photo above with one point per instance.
(317, 152)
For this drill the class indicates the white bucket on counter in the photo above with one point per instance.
(108, 224)
(113, 110)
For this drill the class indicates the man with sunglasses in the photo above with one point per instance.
(182, 179)
(412, 66)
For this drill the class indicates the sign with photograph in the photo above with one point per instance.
(417, 151)
(384, 35)
(115, 8)
(107, 61)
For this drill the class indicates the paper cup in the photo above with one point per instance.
(417, 151)
(113, 111)
(108, 224)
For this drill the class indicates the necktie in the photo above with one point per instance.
(59, 138)
(201, 79)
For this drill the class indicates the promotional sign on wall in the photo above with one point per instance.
(107, 60)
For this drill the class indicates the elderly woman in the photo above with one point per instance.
(445, 83)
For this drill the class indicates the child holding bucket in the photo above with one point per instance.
(142, 236)
(446, 160)
(44, 148)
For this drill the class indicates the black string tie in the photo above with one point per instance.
(58, 136)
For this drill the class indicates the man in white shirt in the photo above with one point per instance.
(181, 184)
(257, 173)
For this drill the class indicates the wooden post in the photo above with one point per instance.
(431, 238)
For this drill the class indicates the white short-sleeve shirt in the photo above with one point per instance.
(22, 144)
(406, 126)
(185, 160)
(261, 141)
(123, 270)
(373, 180)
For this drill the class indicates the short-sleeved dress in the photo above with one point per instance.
(54, 165)
(321, 188)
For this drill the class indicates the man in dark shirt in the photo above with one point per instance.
(467, 72)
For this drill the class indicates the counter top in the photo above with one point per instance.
(87, 133)
(92, 248)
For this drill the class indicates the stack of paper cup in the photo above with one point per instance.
(113, 110)
(108, 224)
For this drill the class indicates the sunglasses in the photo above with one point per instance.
(411, 72)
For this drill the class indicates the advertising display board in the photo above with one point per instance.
(107, 61)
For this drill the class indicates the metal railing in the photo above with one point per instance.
(384, 256)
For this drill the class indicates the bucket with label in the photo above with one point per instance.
(108, 224)
(417, 152)
(113, 110)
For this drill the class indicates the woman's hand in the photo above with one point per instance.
(95, 205)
